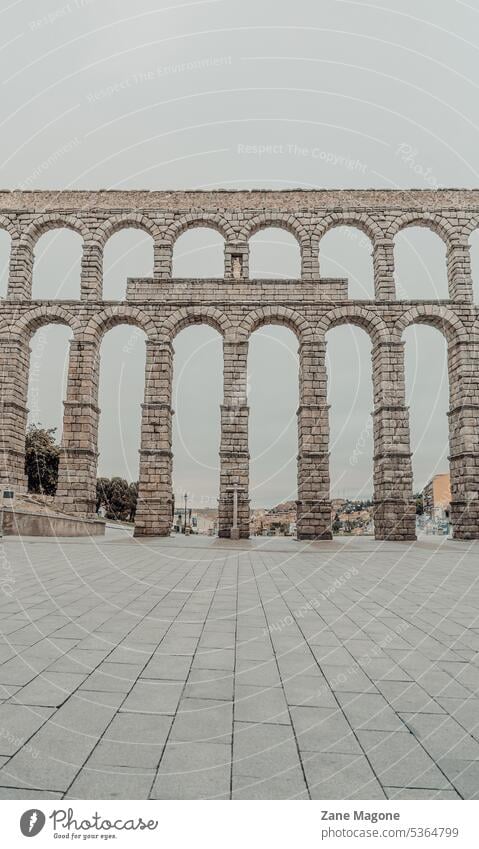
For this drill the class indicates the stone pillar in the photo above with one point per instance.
(20, 275)
(463, 414)
(154, 514)
(459, 273)
(313, 505)
(394, 506)
(76, 490)
(234, 452)
(162, 259)
(92, 272)
(236, 261)
(14, 369)
(383, 265)
(310, 259)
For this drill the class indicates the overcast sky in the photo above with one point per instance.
(113, 94)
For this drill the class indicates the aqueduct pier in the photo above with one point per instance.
(236, 306)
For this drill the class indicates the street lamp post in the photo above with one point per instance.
(186, 499)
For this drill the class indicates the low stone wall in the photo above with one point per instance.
(23, 523)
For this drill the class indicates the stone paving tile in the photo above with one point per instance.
(399, 760)
(266, 763)
(257, 704)
(383, 670)
(113, 783)
(203, 721)
(18, 723)
(466, 674)
(55, 753)
(132, 740)
(332, 656)
(117, 677)
(340, 776)
(442, 736)
(194, 771)
(23, 793)
(466, 712)
(216, 640)
(80, 661)
(437, 683)
(154, 697)
(18, 671)
(8, 691)
(347, 679)
(323, 730)
(463, 775)
(370, 711)
(128, 652)
(215, 659)
(375, 685)
(257, 673)
(179, 645)
(254, 649)
(419, 793)
(50, 689)
(163, 667)
(312, 691)
(210, 684)
(408, 696)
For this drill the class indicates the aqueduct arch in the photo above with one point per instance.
(236, 305)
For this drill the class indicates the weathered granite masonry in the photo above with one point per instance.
(236, 306)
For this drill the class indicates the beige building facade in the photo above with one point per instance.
(437, 496)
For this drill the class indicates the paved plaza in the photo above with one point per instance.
(263, 669)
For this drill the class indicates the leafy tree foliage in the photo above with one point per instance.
(118, 497)
(41, 460)
(419, 503)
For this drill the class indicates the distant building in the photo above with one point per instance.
(437, 497)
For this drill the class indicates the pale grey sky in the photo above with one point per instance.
(110, 94)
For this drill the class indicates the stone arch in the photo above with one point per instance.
(114, 316)
(190, 224)
(471, 225)
(8, 225)
(360, 221)
(431, 221)
(442, 318)
(275, 315)
(470, 235)
(209, 220)
(38, 317)
(11, 234)
(187, 316)
(452, 240)
(95, 257)
(281, 220)
(53, 221)
(370, 322)
(364, 227)
(115, 224)
(25, 246)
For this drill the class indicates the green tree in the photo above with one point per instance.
(102, 485)
(118, 497)
(42, 456)
(419, 504)
(133, 496)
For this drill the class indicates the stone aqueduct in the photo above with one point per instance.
(236, 306)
